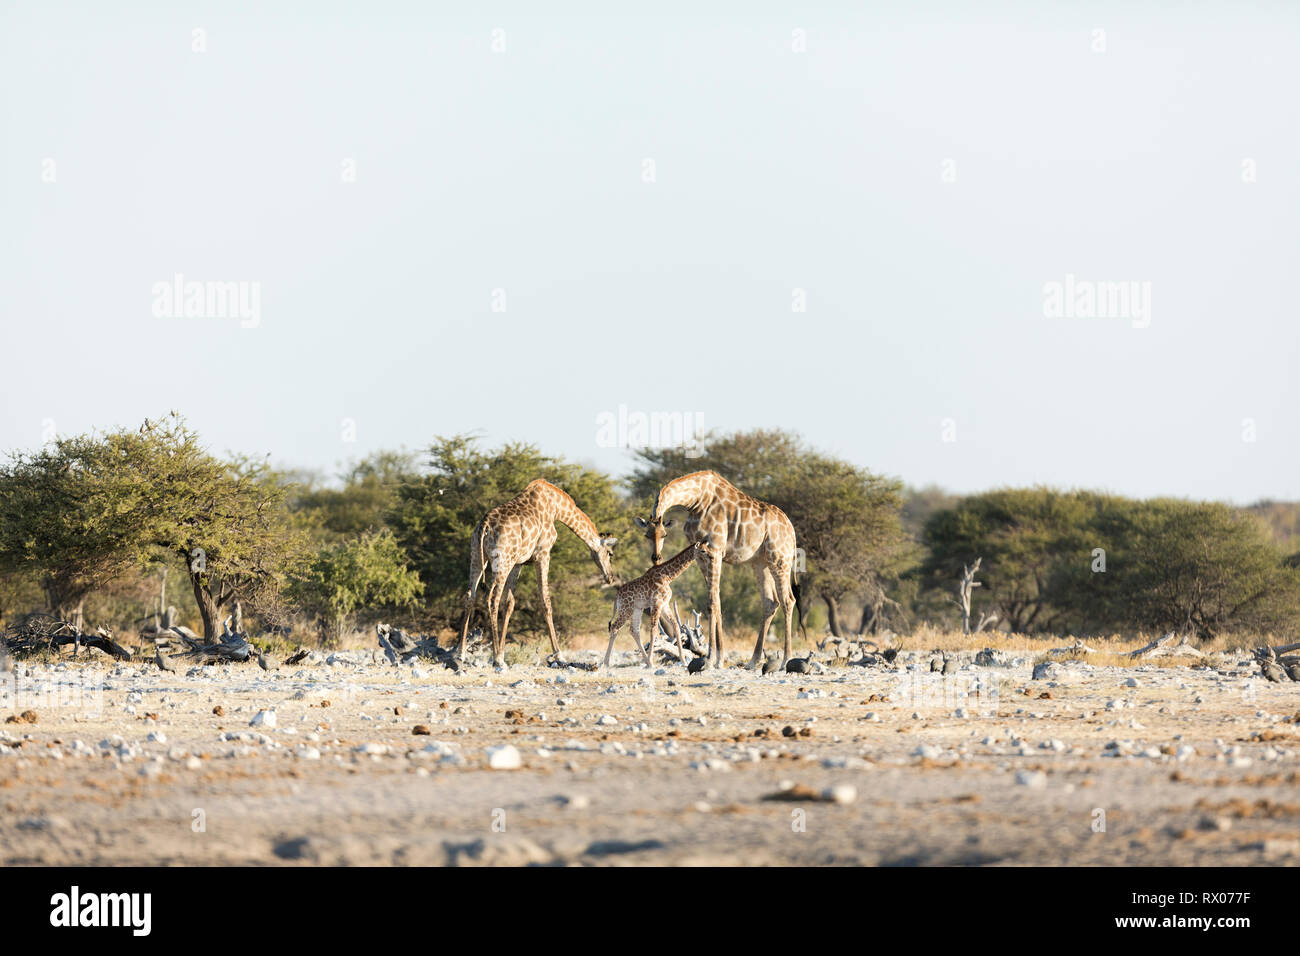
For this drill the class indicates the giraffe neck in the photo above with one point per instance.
(689, 492)
(675, 566)
(571, 516)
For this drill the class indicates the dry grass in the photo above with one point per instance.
(1114, 650)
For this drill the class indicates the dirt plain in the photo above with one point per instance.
(368, 763)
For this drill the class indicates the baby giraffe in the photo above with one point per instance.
(651, 592)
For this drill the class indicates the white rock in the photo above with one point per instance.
(1035, 779)
(264, 718)
(505, 757)
(841, 793)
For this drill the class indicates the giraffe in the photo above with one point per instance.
(740, 530)
(522, 530)
(652, 592)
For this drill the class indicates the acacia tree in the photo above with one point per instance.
(1026, 537)
(69, 520)
(227, 520)
(160, 492)
(1202, 568)
(848, 524)
(1086, 562)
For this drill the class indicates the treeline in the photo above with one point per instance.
(114, 527)
(1078, 562)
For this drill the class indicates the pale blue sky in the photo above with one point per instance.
(775, 170)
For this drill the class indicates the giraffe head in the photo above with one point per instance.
(656, 529)
(603, 554)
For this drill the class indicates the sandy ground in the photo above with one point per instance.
(130, 765)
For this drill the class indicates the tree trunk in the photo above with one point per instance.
(73, 612)
(209, 609)
(968, 584)
(162, 600)
(66, 604)
(870, 623)
(832, 614)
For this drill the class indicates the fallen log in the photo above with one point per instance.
(198, 653)
(101, 640)
(1272, 652)
(1078, 647)
(401, 648)
(1164, 646)
(229, 646)
(692, 636)
(39, 632)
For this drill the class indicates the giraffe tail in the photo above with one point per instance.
(476, 548)
(798, 601)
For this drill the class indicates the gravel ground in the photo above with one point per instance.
(349, 760)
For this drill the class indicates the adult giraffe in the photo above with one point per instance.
(522, 530)
(739, 530)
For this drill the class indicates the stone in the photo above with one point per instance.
(1034, 779)
(505, 757)
(842, 793)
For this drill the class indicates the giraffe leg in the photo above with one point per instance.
(636, 631)
(475, 579)
(621, 614)
(766, 588)
(510, 604)
(671, 628)
(677, 631)
(543, 583)
(654, 632)
(493, 614)
(469, 614)
(713, 576)
(786, 593)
